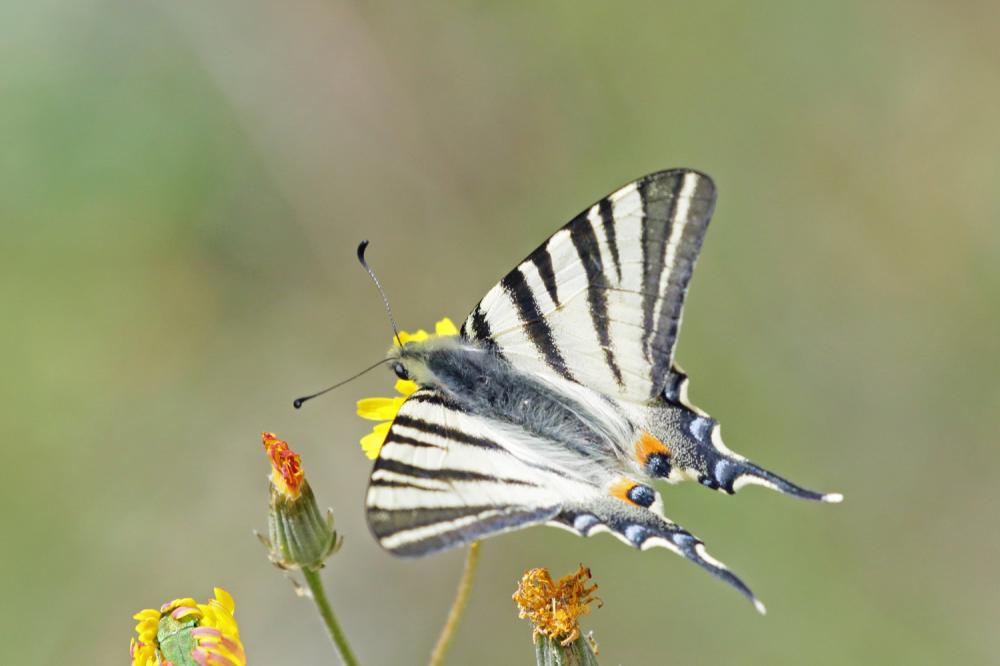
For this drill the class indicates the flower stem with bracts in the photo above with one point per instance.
(300, 537)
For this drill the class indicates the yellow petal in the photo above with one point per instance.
(379, 409)
(225, 599)
(406, 386)
(373, 441)
(417, 336)
(445, 327)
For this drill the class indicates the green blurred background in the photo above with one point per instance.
(183, 184)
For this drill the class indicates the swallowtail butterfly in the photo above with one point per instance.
(559, 402)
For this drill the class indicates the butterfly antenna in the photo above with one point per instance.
(298, 402)
(364, 262)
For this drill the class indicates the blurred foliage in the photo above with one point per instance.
(182, 185)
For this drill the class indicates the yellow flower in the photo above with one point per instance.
(184, 633)
(555, 607)
(385, 409)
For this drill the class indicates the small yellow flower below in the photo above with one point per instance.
(385, 409)
(184, 632)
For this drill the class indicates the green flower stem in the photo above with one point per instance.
(315, 584)
(552, 653)
(457, 606)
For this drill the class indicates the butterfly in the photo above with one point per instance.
(559, 403)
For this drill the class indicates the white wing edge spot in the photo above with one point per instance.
(751, 480)
(660, 542)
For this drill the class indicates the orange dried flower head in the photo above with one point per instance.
(554, 608)
(286, 465)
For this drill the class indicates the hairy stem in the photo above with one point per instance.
(315, 585)
(457, 606)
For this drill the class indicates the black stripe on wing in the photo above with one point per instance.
(543, 262)
(685, 232)
(608, 224)
(654, 242)
(589, 251)
(534, 323)
(445, 474)
(475, 327)
(451, 527)
(403, 421)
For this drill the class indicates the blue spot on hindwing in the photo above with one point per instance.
(636, 534)
(584, 522)
(700, 428)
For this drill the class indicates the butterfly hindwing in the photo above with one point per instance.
(644, 529)
(600, 301)
(446, 477)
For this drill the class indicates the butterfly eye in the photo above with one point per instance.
(400, 371)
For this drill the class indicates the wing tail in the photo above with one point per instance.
(731, 474)
(645, 529)
(697, 449)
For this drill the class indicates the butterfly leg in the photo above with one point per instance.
(643, 529)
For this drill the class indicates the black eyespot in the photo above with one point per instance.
(658, 465)
(400, 371)
(642, 495)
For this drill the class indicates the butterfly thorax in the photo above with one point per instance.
(478, 381)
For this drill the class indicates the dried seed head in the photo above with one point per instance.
(554, 608)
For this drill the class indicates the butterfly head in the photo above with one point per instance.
(406, 359)
(418, 360)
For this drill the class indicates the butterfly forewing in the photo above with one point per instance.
(600, 301)
(445, 477)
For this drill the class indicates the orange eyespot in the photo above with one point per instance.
(637, 494)
(647, 446)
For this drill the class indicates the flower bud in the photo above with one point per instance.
(300, 536)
